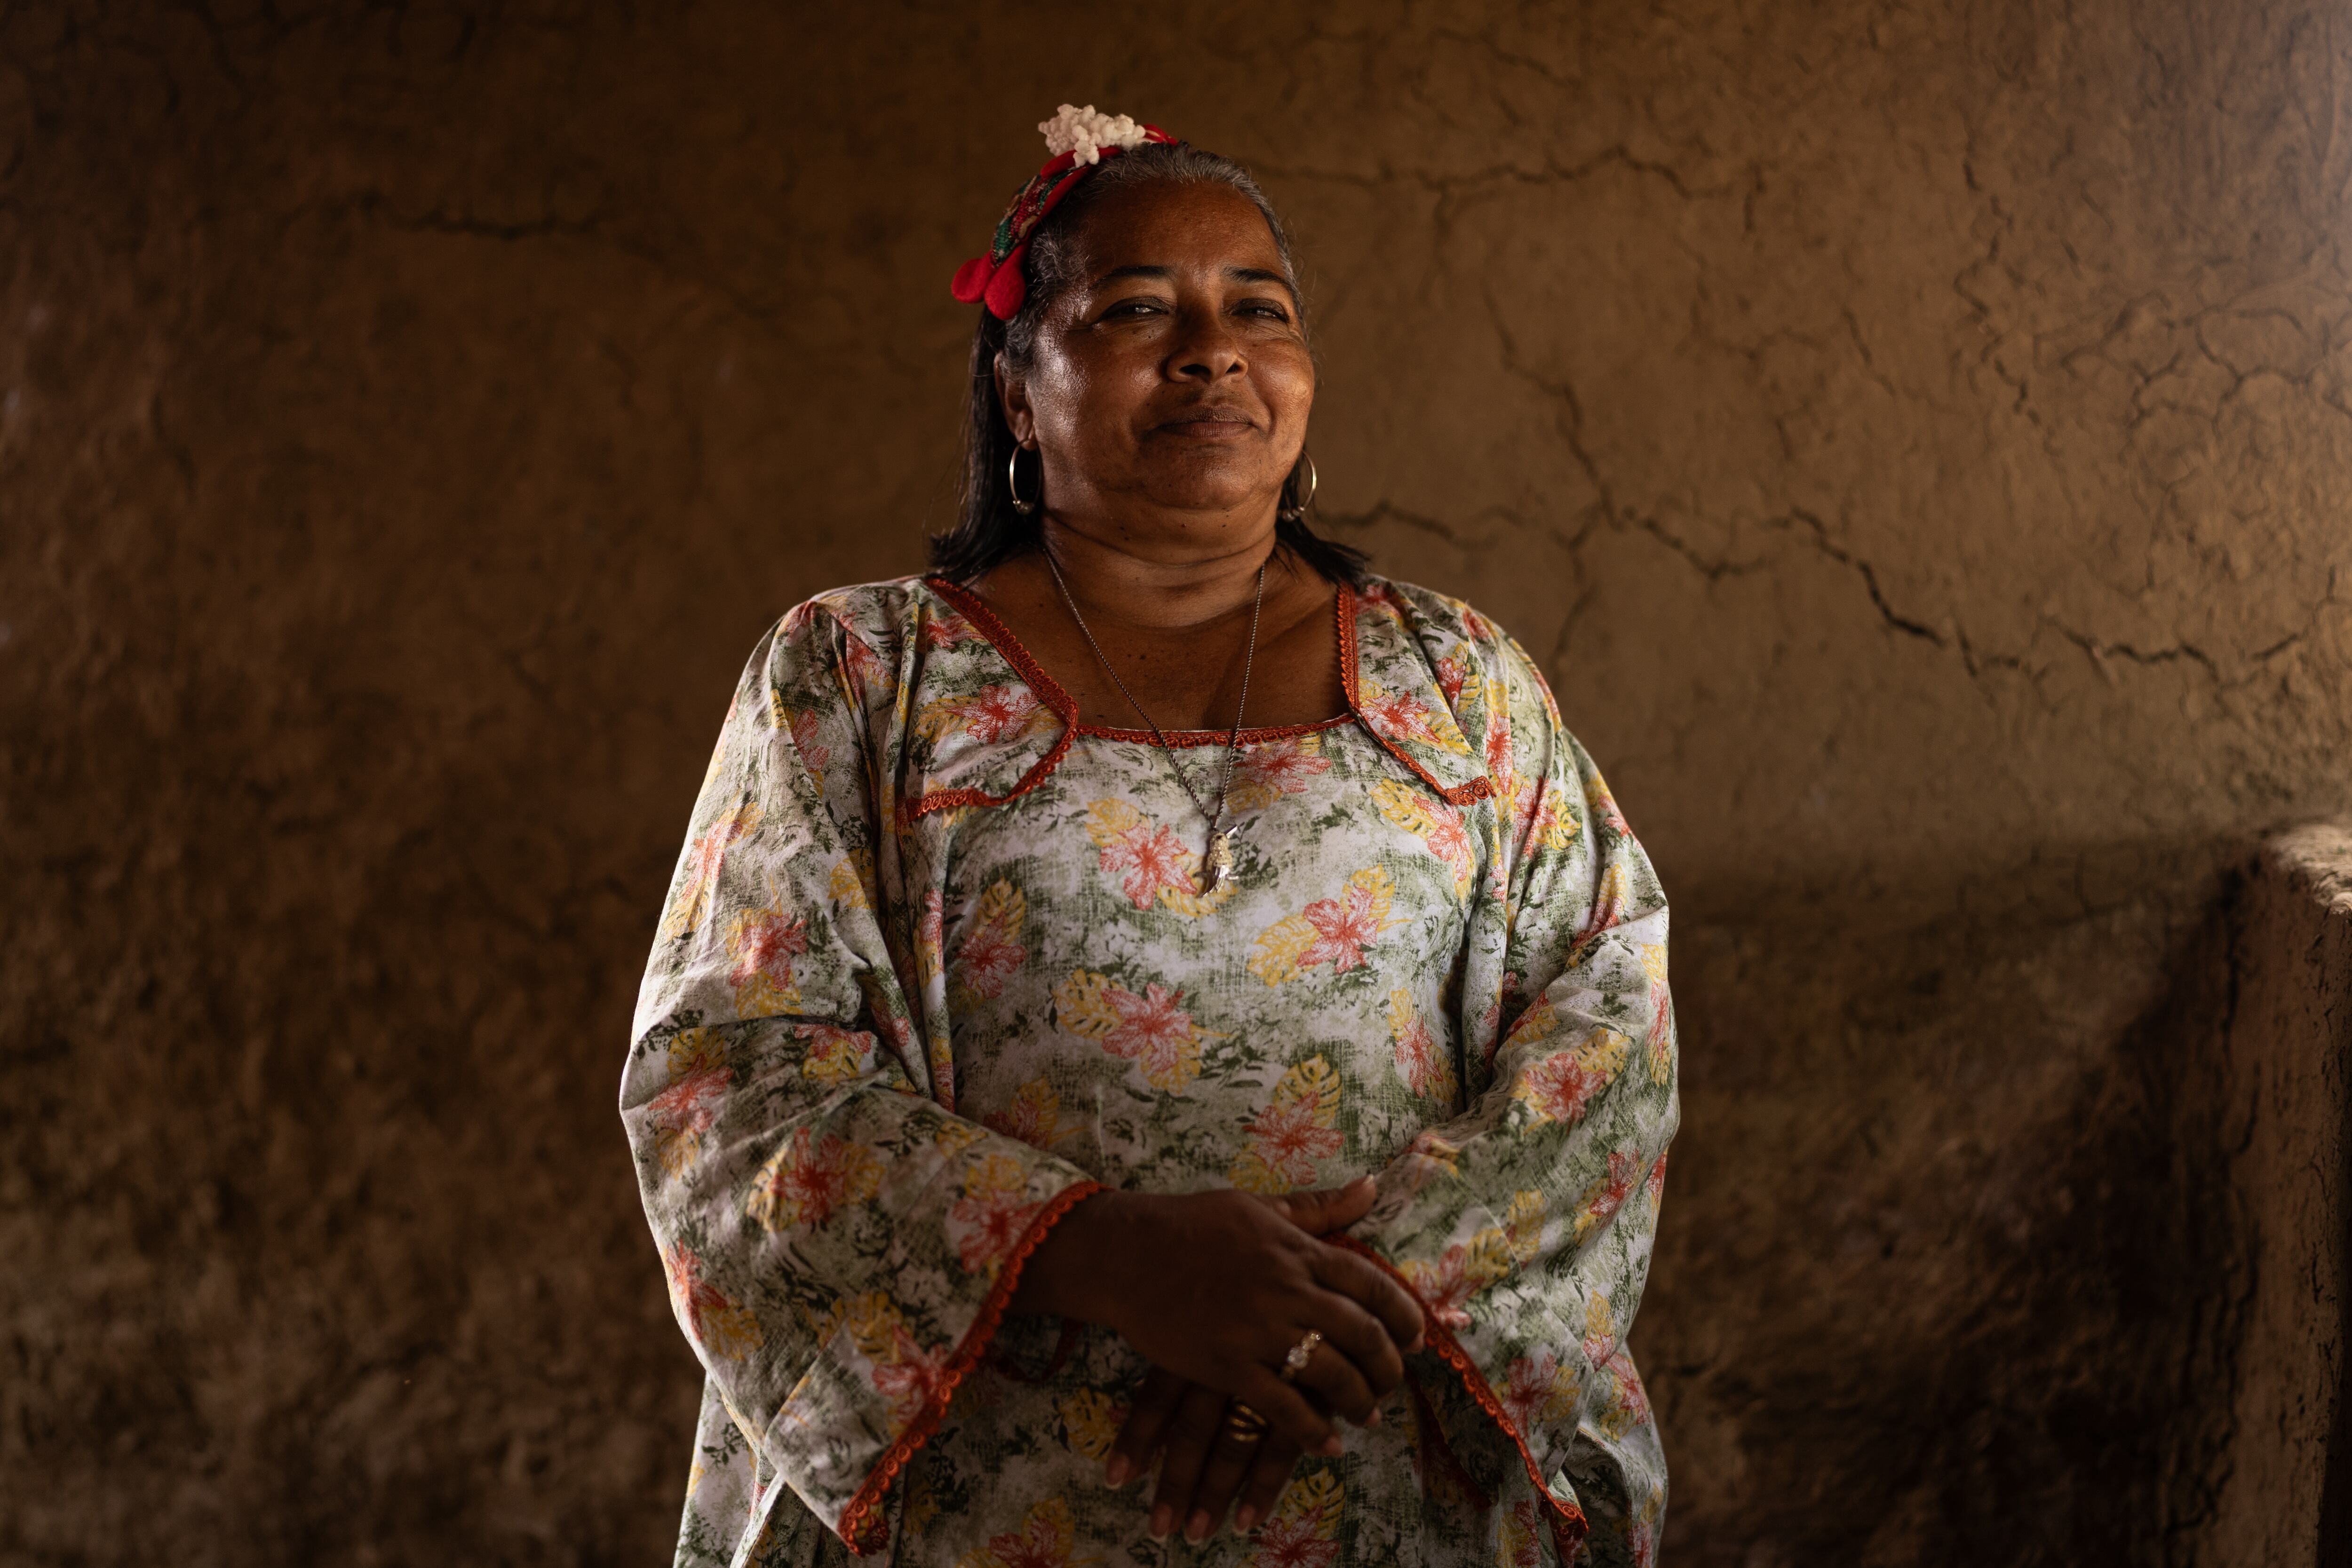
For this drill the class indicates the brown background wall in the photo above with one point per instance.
(1916, 437)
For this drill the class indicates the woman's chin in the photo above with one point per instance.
(1212, 486)
(1216, 502)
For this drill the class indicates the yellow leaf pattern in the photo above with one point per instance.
(1279, 947)
(1079, 1004)
(1109, 821)
(813, 1176)
(704, 856)
(1034, 1116)
(836, 1056)
(1303, 1522)
(1091, 1421)
(1048, 1538)
(1437, 825)
(851, 879)
(1152, 865)
(1333, 931)
(1523, 1226)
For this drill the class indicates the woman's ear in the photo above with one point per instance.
(1012, 397)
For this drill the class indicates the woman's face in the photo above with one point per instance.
(1171, 383)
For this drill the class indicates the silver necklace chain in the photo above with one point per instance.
(1217, 857)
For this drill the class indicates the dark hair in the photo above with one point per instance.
(987, 530)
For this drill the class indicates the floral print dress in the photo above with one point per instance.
(934, 968)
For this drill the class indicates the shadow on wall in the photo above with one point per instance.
(2105, 1289)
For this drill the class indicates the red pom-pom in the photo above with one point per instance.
(972, 281)
(1008, 288)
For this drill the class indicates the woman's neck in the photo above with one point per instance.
(1163, 587)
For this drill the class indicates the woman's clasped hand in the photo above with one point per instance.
(1217, 1289)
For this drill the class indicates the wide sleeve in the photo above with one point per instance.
(839, 1245)
(1525, 1224)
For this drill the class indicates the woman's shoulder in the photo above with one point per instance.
(870, 608)
(883, 616)
(861, 630)
(1457, 638)
(1441, 621)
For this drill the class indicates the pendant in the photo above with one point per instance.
(1221, 861)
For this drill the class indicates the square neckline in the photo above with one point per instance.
(1065, 707)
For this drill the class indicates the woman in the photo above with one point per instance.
(1152, 999)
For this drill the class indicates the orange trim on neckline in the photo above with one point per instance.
(1049, 692)
(1000, 637)
(1568, 1525)
(1478, 788)
(1184, 737)
(859, 1517)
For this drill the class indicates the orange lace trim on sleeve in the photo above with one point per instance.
(860, 1518)
(1567, 1520)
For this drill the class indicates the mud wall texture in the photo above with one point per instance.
(1914, 437)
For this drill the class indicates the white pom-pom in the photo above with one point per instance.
(1085, 133)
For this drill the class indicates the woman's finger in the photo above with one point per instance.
(1337, 1384)
(1229, 1461)
(1374, 1288)
(1356, 1334)
(1277, 1456)
(1147, 1422)
(1326, 1209)
(1291, 1413)
(1191, 1432)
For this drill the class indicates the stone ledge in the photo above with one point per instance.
(2284, 1499)
(2317, 857)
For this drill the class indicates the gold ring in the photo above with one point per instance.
(1244, 1425)
(1299, 1354)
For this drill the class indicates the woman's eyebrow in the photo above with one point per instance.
(1236, 274)
(1135, 269)
(1261, 275)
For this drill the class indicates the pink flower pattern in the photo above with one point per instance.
(1343, 926)
(1285, 1137)
(998, 713)
(1418, 1056)
(986, 957)
(1285, 767)
(1153, 1029)
(691, 1104)
(765, 946)
(1147, 859)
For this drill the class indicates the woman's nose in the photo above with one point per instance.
(1208, 352)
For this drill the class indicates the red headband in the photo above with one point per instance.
(994, 280)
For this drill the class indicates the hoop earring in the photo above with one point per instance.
(1293, 513)
(1013, 484)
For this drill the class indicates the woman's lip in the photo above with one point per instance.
(1209, 427)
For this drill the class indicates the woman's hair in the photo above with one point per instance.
(987, 530)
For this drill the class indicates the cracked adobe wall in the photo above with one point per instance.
(1914, 438)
